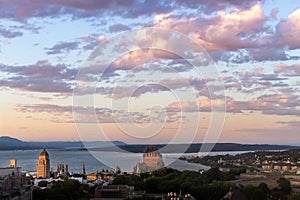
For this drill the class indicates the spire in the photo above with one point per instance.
(44, 153)
(83, 169)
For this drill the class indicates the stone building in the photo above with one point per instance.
(43, 167)
(14, 184)
(152, 160)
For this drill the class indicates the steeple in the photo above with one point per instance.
(83, 170)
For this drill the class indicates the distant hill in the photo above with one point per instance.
(76, 145)
(9, 143)
(195, 148)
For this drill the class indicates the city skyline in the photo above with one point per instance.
(254, 45)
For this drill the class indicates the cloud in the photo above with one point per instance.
(89, 42)
(172, 84)
(224, 31)
(282, 111)
(274, 13)
(63, 114)
(254, 81)
(8, 33)
(288, 70)
(259, 54)
(202, 105)
(118, 27)
(213, 5)
(269, 54)
(239, 36)
(23, 9)
(289, 123)
(266, 104)
(39, 77)
(62, 47)
(238, 30)
(288, 31)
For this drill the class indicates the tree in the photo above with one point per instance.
(237, 171)
(213, 174)
(254, 193)
(64, 190)
(152, 184)
(284, 185)
(295, 197)
(43, 184)
(277, 194)
(264, 187)
(131, 180)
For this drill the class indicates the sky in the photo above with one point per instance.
(53, 88)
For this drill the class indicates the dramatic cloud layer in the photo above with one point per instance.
(39, 77)
(49, 48)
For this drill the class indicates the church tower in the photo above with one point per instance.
(43, 167)
(83, 170)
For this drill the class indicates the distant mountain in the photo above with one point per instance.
(9, 143)
(195, 147)
(76, 145)
(10, 140)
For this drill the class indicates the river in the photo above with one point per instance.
(93, 161)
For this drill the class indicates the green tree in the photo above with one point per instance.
(237, 171)
(277, 194)
(264, 187)
(295, 197)
(131, 180)
(284, 185)
(254, 193)
(64, 190)
(213, 174)
(151, 184)
(43, 183)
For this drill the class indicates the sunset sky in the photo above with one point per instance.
(146, 95)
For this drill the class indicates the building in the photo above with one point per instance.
(14, 184)
(83, 170)
(13, 163)
(43, 167)
(113, 192)
(94, 176)
(15, 187)
(117, 170)
(152, 157)
(12, 169)
(152, 160)
(62, 169)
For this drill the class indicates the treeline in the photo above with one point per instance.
(210, 185)
(63, 190)
(249, 157)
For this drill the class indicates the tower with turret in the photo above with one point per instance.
(43, 166)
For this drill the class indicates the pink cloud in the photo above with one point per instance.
(291, 70)
(40, 77)
(274, 13)
(266, 104)
(224, 31)
(288, 31)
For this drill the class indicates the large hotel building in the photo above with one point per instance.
(43, 167)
